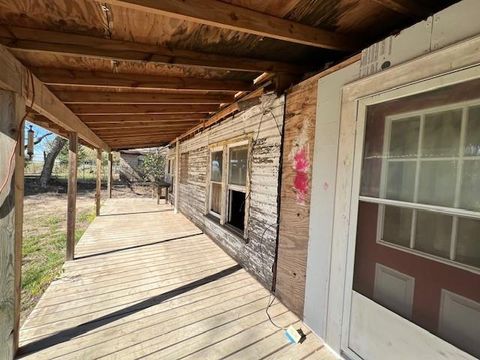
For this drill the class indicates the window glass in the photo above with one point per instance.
(468, 242)
(472, 141)
(433, 233)
(401, 180)
(397, 225)
(470, 190)
(404, 138)
(442, 134)
(238, 165)
(437, 182)
(216, 166)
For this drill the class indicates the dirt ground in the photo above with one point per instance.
(44, 232)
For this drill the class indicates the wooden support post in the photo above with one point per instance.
(177, 176)
(72, 193)
(12, 110)
(110, 175)
(99, 182)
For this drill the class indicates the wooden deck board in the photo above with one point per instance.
(148, 283)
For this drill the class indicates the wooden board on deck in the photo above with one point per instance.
(147, 282)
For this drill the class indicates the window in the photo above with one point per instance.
(227, 185)
(237, 181)
(184, 168)
(432, 157)
(216, 173)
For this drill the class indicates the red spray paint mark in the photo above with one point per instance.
(300, 183)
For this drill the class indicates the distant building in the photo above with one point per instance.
(131, 164)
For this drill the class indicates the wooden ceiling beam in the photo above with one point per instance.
(139, 146)
(136, 109)
(67, 77)
(91, 97)
(141, 126)
(27, 39)
(410, 8)
(144, 133)
(236, 18)
(125, 119)
(125, 123)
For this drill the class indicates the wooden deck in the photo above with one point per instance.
(147, 283)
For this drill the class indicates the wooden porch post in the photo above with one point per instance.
(177, 175)
(110, 175)
(72, 193)
(12, 110)
(99, 182)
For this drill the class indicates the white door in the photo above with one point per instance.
(414, 287)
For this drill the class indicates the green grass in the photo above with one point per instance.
(44, 254)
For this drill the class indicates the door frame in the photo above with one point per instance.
(454, 64)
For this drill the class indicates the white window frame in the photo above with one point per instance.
(225, 147)
(455, 213)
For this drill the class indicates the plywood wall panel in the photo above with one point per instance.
(295, 195)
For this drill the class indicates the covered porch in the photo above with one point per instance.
(146, 282)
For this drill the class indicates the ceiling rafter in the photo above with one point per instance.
(135, 109)
(92, 97)
(66, 77)
(27, 39)
(236, 18)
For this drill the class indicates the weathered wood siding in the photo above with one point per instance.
(295, 195)
(264, 123)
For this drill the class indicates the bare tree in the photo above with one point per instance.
(56, 146)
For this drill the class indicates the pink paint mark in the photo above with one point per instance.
(325, 186)
(301, 161)
(300, 183)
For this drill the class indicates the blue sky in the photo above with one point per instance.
(39, 148)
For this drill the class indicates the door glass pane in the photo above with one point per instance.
(397, 225)
(437, 182)
(470, 191)
(472, 139)
(216, 198)
(401, 180)
(216, 166)
(238, 165)
(433, 233)
(442, 134)
(404, 138)
(468, 242)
